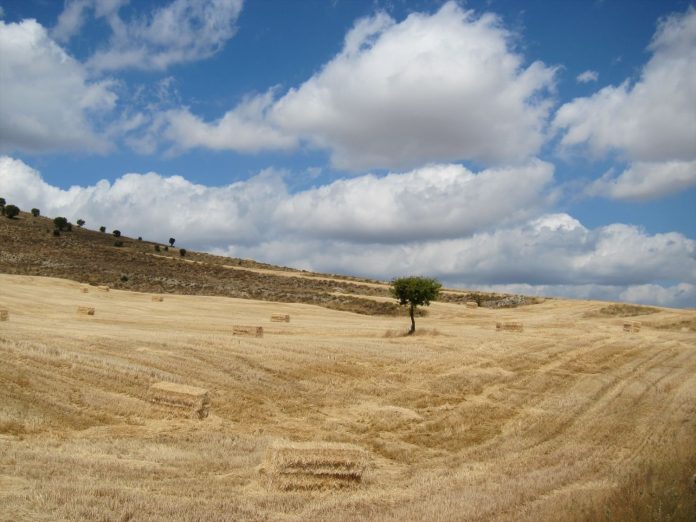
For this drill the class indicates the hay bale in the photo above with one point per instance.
(103, 288)
(157, 298)
(509, 326)
(314, 465)
(4, 315)
(84, 289)
(471, 304)
(86, 310)
(248, 331)
(280, 318)
(631, 326)
(189, 398)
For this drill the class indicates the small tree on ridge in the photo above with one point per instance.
(415, 291)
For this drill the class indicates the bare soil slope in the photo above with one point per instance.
(460, 422)
(28, 247)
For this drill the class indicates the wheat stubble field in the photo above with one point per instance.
(459, 422)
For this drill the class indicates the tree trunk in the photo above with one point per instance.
(413, 321)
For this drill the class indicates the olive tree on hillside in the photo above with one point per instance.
(171, 241)
(11, 211)
(415, 291)
(60, 222)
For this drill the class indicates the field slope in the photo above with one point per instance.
(460, 422)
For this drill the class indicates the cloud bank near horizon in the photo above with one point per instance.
(535, 251)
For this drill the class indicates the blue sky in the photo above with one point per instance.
(537, 147)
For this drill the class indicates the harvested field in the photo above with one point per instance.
(572, 420)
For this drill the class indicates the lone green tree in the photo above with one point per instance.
(415, 291)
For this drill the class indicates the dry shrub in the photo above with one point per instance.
(471, 304)
(685, 325)
(509, 326)
(157, 298)
(314, 465)
(280, 318)
(86, 310)
(249, 331)
(623, 310)
(190, 398)
(4, 315)
(631, 326)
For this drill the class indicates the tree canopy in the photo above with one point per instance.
(415, 291)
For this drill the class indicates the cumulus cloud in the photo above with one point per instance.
(47, 101)
(587, 77)
(440, 201)
(259, 218)
(651, 121)
(242, 129)
(646, 180)
(181, 31)
(432, 88)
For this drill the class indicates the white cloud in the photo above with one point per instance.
(644, 180)
(258, 218)
(47, 101)
(650, 121)
(440, 201)
(182, 31)
(242, 129)
(587, 77)
(432, 88)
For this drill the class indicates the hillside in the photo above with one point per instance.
(28, 247)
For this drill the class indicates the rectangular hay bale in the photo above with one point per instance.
(87, 310)
(631, 326)
(471, 304)
(84, 289)
(4, 315)
(509, 326)
(192, 399)
(280, 318)
(314, 465)
(103, 288)
(157, 298)
(249, 331)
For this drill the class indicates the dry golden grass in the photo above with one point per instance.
(571, 419)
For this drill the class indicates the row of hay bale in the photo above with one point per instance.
(191, 399)
(314, 465)
(631, 326)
